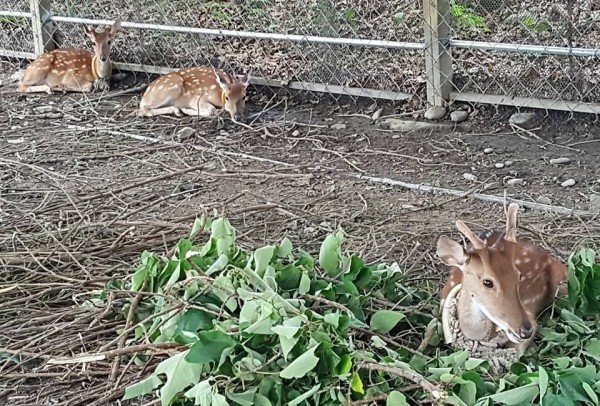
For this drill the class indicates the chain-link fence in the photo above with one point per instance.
(534, 53)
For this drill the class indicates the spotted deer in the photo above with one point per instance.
(73, 69)
(503, 283)
(195, 91)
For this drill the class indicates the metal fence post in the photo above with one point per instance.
(438, 57)
(42, 26)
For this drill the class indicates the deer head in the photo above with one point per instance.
(103, 39)
(490, 277)
(234, 93)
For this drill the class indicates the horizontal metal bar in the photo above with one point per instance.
(313, 87)
(525, 49)
(417, 46)
(546, 104)
(17, 54)
(23, 14)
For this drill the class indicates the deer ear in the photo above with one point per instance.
(450, 252)
(245, 79)
(90, 31)
(221, 79)
(116, 27)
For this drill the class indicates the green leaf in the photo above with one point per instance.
(286, 335)
(201, 393)
(330, 254)
(593, 347)
(356, 384)
(518, 396)
(284, 249)
(304, 284)
(180, 374)
(218, 265)
(219, 400)
(590, 392)
(245, 398)
(332, 318)
(262, 259)
(193, 320)
(396, 398)
(301, 365)
(385, 320)
(299, 399)
(142, 387)
(543, 383)
(209, 347)
(344, 366)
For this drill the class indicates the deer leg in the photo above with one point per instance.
(146, 112)
(201, 108)
(35, 89)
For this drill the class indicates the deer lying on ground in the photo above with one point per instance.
(503, 283)
(73, 69)
(196, 92)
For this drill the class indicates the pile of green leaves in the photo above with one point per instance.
(276, 326)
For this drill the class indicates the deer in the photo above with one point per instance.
(197, 91)
(504, 282)
(73, 69)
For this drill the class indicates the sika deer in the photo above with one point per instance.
(504, 282)
(73, 69)
(196, 92)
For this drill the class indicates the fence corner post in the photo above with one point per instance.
(42, 26)
(438, 56)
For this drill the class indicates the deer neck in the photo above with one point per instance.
(101, 70)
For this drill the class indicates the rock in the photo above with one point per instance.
(491, 185)
(515, 181)
(469, 176)
(338, 126)
(410, 125)
(459, 116)
(435, 113)
(488, 150)
(17, 76)
(595, 203)
(43, 109)
(521, 119)
(559, 161)
(499, 165)
(377, 114)
(543, 200)
(568, 183)
(508, 163)
(185, 133)
(296, 133)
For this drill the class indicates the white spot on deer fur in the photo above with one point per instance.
(518, 262)
(213, 87)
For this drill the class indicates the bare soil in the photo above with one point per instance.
(82, 195)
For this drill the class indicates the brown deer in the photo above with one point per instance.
(504, 282)
(73, 69)
(195, 91)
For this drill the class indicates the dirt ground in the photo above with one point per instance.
(86, 187)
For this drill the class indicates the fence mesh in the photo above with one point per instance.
(520, 22)
(524, 23)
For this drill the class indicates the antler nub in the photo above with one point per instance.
(466, 231)
(511, 222)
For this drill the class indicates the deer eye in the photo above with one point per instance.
(488, 283)
(109, 42)
(226, 98)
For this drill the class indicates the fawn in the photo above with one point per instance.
(195, 91)
(504, 282)
(73, 69)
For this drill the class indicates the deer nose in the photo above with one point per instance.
(526, 330)
(103, 58)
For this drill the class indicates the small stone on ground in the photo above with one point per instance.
(521, 119)
(459, 116)
(435, 113)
